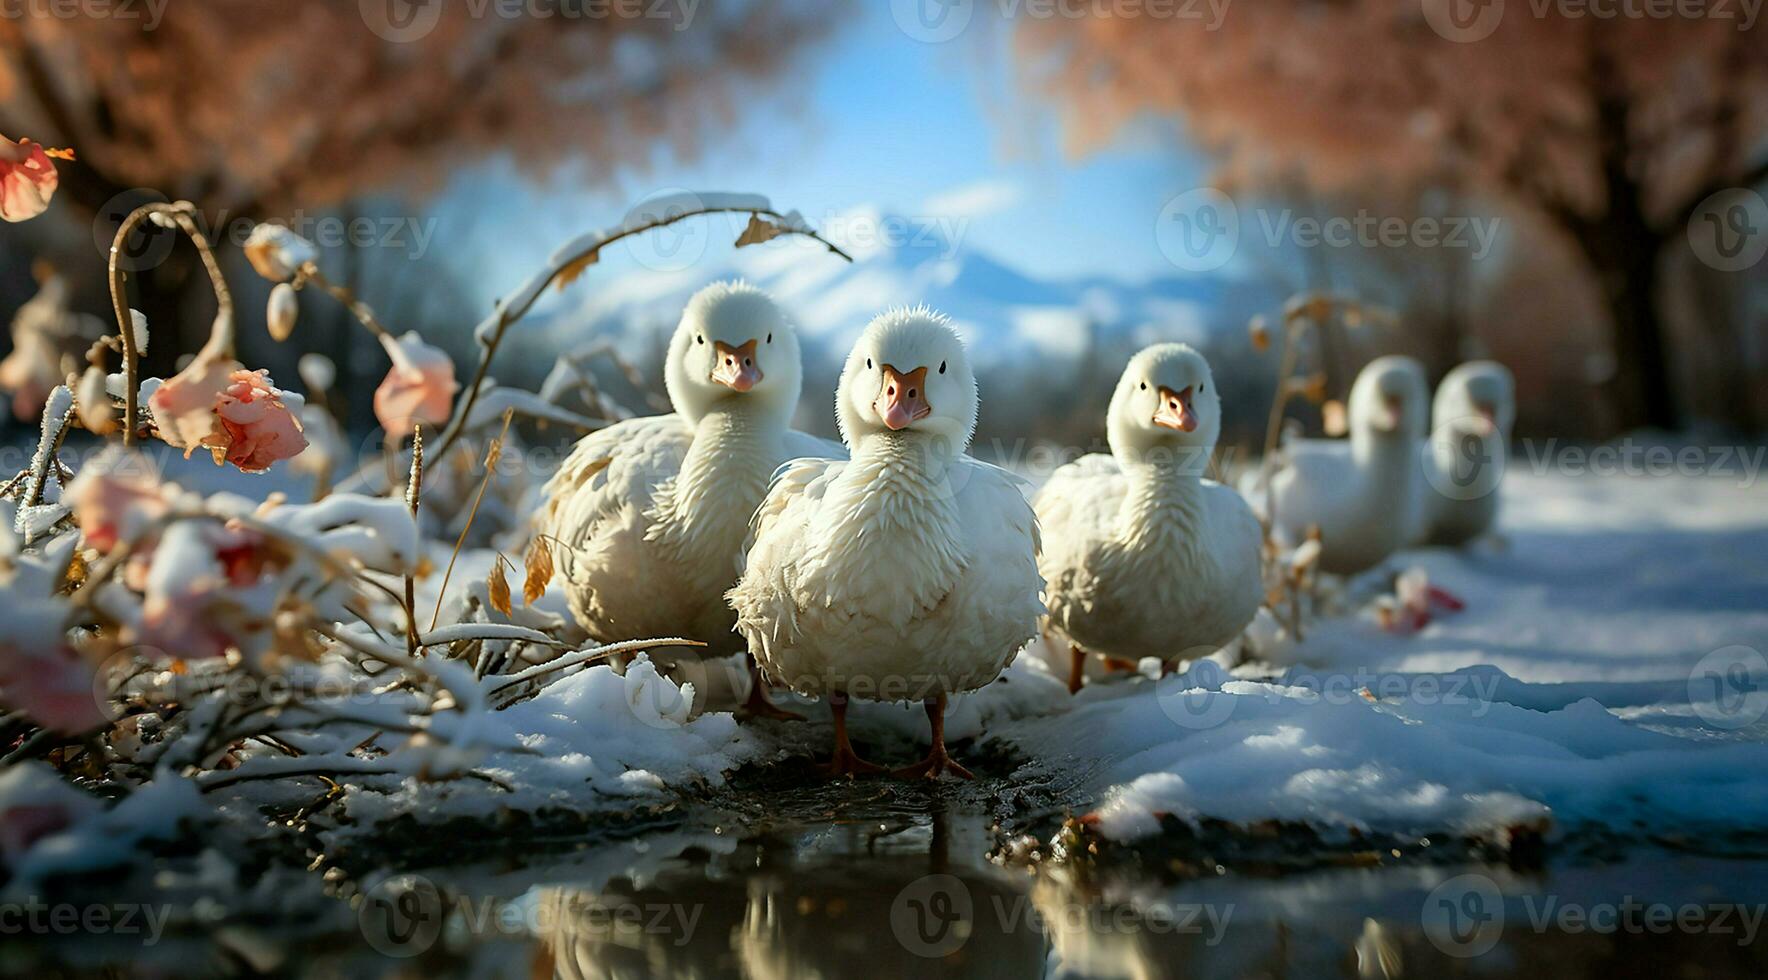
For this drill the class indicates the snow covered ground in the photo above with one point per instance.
(1607, 673)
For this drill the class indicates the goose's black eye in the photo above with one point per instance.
(1200, 389)
(941, 367)
(1144, 386)
(770, 338)
(868, 364)
(700, 339)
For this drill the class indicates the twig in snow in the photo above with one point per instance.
(491, 456)
(179, 213)
(568, 263)
(592, 655)
(413, 491)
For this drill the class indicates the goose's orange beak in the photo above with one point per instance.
(902, 398)
(736, 368)
(1487, 413)
(1175, 410)
(1390, 421)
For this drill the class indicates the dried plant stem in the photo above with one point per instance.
(491, 456)
(1285, 367)
(363, 313)
(48, 446)
(491, 332)
(179, 212)
(592, 655)
(413, 491)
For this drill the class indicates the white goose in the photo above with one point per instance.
(1471, 417)
(1144, 557)
(654, 511)
(1359, 492)
(908, 572)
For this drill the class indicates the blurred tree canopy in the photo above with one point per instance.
(1610, 132)
(257, 110)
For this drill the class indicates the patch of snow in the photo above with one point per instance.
(1570, 689)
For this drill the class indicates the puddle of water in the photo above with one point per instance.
(783, 878)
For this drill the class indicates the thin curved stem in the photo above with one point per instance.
(501, 320)
(360, 310)
(179, 212)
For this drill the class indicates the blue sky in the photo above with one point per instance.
(930, 131)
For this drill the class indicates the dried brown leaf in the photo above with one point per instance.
(540, 570)
(575, 267)
(759, 230)
(498, 585)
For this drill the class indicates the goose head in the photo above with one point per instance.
(734, 349)
(1165, 407)
(1389, 400)
(1477, 398)
(908, 373)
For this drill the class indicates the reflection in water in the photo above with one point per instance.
(853, 899)
(859, 899)
(811, 890)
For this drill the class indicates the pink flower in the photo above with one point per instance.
(35, 802)
(188, 607)
(184, 407)
(27, 179)
(259, 424)
(23, 826)
(30, 372)
(41, 675)
(419, 388)
(116, 498)
(237, 415)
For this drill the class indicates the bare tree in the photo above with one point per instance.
(1616, 130)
